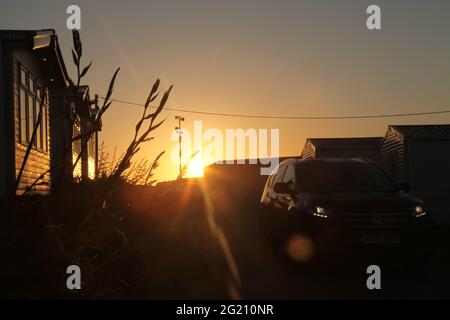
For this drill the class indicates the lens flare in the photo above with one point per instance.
(300, 248)
(195, 168)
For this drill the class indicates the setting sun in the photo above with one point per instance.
(195, 168)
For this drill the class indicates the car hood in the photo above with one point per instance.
(371, 202)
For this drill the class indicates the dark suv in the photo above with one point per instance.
(340, 203)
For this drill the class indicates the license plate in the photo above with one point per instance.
(380, 238)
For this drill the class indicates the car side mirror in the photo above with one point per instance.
(281, 187)
(404, 185)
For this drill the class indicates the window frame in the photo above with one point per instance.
(28, 120)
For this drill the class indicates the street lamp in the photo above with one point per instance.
(179, 118)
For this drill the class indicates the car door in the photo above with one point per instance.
(275, 212)
(286, 201)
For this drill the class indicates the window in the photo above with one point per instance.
(31, 84)
(289, 176)
(23, 116)
(31, 118)
(38, 92)
(329, 177)
(45, 130)
(30, 94)
(279, 175)
(23, 77)
(76, 145)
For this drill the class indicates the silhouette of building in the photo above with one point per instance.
(343, 148)
(420, 155)
(30, 62)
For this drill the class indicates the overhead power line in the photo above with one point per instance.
(256, 116)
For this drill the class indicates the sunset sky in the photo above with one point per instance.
(289, 58)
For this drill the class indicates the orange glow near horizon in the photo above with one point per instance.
(282, 66)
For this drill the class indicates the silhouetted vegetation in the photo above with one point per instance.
(130, 239)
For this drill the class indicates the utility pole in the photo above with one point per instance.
(179, 118)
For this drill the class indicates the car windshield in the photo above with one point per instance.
(328, 177)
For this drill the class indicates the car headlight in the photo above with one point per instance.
(320, 212)
(419, 211)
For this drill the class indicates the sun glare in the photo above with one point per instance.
(195, 168)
